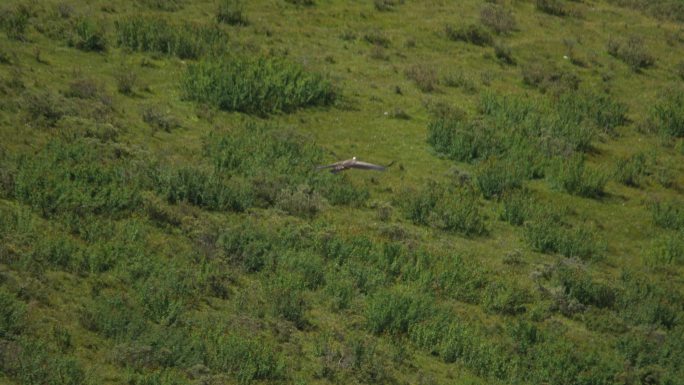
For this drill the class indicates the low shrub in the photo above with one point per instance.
(255, 86)
(300, 201)
(668, 249)
(460, 278)
(578, 285)
(666, 116)
(551, 7)
(572, 176)
(424, 76)
(386, 5)
(668, 215)
(44, 108)
(516, 207)
(163, 5)
(12, 313)
(632, 52)
(83, 88)
(547, 233)
(471, 33)
(495, 177)
(504, 53)
(160, 118)
(395, 312)
(460, 80)
(497, 18)
(154, 34)
(458, 211)
(505, 299)
(377, 38)
(207, 189)
(89, 36)
(548, 77)
(14, 22)
(631, 170)
(287, 299)
(231, 12)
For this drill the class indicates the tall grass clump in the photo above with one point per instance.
(573, 176)
(516, 207)
(551, 7)
(154, 34)
(666, 116)
(231, 12)
(163, 5)
(12, 313)
(255, 86)
(592, 107)
(458, 211)
(424, 76)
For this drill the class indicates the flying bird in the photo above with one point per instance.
(353, 163)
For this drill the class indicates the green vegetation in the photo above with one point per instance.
(163, 220)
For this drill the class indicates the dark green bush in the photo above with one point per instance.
(471, 33)
(504, 53)
(631, 170)
(377, 38)
(231, 12)
(632, 52)
(460, 278)
(301, 201)
(419, 204)
(547, 76)
(32, 362)
(255, 86)
(572, 176)
(160, 118)
(154, 34)
(386, 5)
(112, 317)
(44, 108)
(498, 18)
(647, 302)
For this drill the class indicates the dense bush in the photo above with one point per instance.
(458, 211)
(255, 86)
(471, 33)
(516, 207)
(154, 34)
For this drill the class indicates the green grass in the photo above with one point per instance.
(162, 219)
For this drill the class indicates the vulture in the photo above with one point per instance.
(353, 163)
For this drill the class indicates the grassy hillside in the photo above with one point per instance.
(162, 220)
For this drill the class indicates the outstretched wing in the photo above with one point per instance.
(328, 166)
(368, 166)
